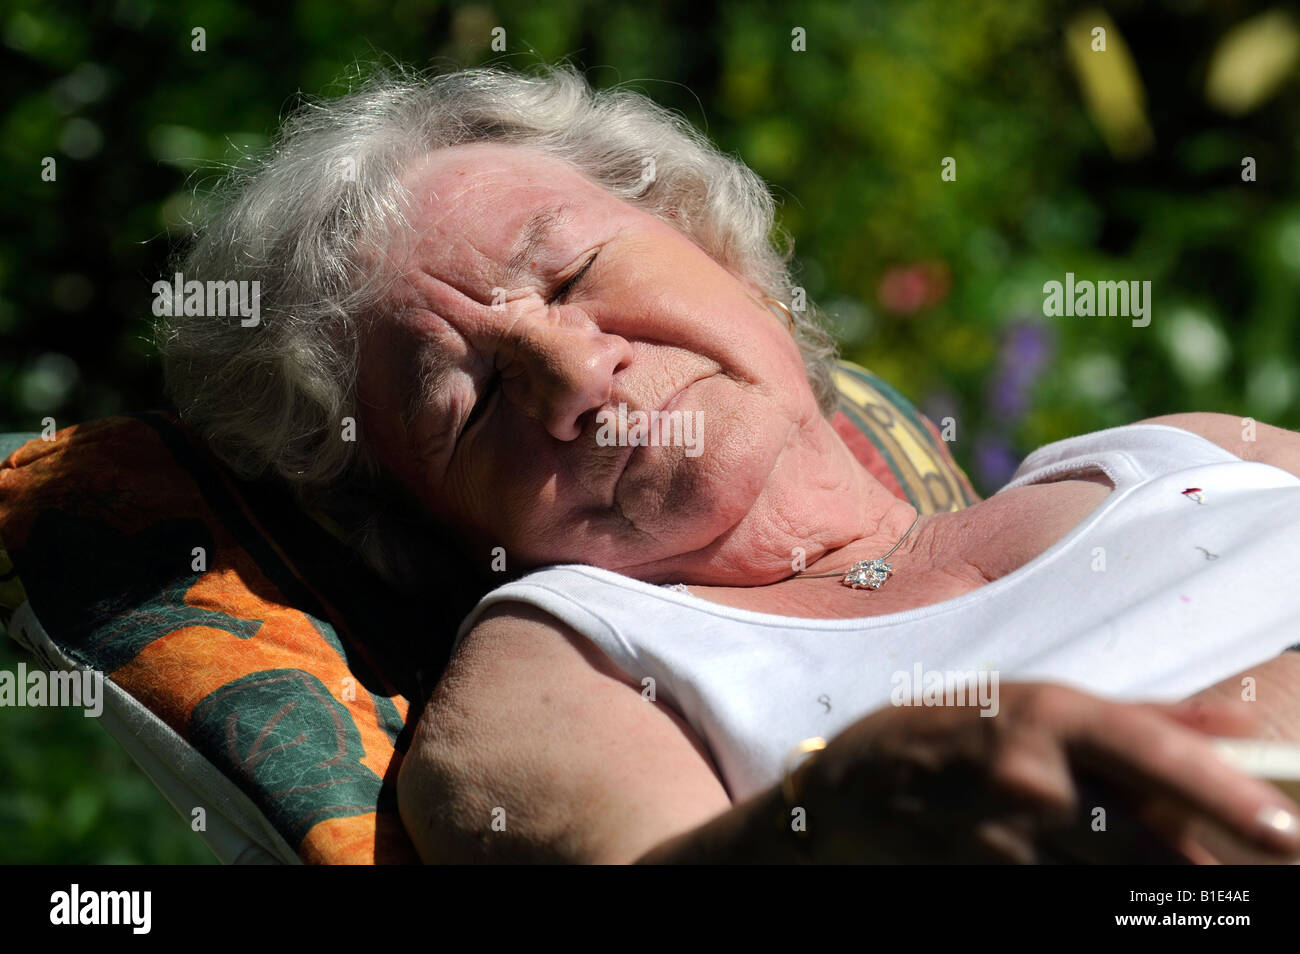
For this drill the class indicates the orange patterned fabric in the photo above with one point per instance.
(135, 554)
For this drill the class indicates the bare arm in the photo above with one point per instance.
(534, 730)
(1270, 445)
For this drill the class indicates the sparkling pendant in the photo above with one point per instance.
(867, 574)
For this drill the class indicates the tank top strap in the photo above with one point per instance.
(1126, 455)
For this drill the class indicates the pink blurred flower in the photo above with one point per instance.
(906, 289)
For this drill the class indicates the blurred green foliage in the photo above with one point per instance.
(70, 794)
(936, 285)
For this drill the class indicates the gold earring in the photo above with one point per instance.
(788, 317)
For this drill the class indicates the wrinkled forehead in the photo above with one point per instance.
(481, 203)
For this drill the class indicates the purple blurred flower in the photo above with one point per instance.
(1007, 398)
(1025, 352)
(995, 461)
(1027, 346)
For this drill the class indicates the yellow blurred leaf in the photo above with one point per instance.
(1108, 78)
(1252, 61)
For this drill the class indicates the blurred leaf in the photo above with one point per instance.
(1252, 60)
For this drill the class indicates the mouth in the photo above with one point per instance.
(625, 460)
(630, 451)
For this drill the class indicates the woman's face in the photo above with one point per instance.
(532, 300)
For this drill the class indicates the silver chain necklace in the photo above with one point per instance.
(867, 574)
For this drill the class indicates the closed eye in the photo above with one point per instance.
(489, 389)
(568, 287)
(485, 396)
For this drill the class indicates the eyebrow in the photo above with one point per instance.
(535, 233)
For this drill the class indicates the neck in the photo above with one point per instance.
(898, 525)
(819, 510)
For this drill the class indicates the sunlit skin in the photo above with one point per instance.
(656, 323)
(653, 322)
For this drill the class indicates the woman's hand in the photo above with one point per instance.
(1057, 775)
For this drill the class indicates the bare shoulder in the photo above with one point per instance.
(536, 747)
(1247, 438)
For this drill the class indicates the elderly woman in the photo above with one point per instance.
(470, 274)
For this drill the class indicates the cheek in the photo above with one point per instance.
(782, 350)
(742, 434)
(529, 535)
(503, 488)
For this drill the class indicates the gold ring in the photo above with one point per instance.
(815, 744)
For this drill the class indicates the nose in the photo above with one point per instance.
(564, 371)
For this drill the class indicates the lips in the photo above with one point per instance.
(669, 404)
(674, 398)
(605, 466)
(664, 404)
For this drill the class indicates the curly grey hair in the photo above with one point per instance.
(311, 218)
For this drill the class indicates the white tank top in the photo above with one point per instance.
(1154, 596)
